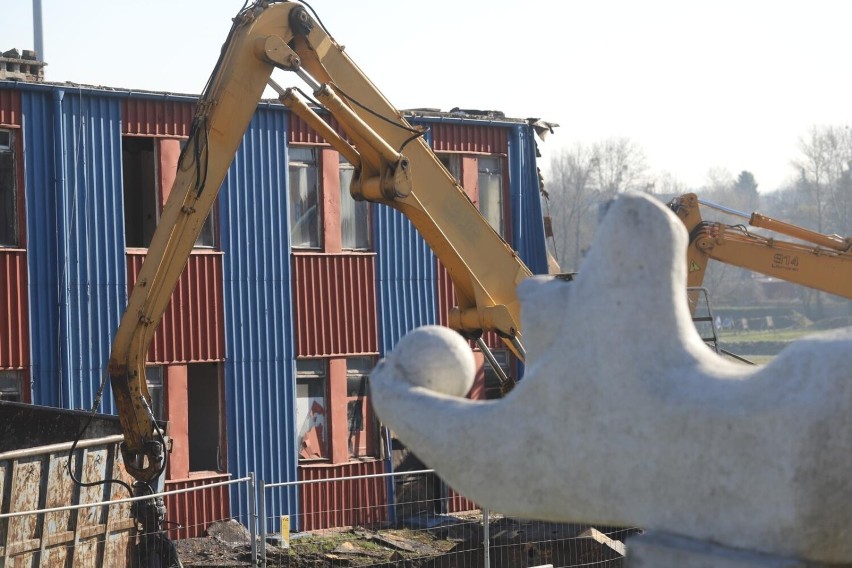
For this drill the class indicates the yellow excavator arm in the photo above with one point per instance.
(394, 166)
(822, 262)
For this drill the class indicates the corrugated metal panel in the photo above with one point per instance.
(299, 132)
(156, 117)
(10, 107)
(259, 377)
(14, 329)
(459, 136)
(525, 200)
(447, 301)
(195, 510)
(406, 277)
(347, 503)
(335, 304)
(457, 503)
(75, 241)
(192, 329)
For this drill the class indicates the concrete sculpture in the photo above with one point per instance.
(625, 417)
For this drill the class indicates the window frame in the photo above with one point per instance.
(498, 174)
(361, 210)
(313, 371)
(16, 376)
(10, 148)
(315, 164)
(368, 447)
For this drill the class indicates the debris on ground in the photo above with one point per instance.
(452, 541)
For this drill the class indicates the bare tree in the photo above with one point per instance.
(825, 176)
(582, 179)
(620, 165)
(573, 196)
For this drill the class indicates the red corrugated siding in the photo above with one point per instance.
(192, 329)
(457, 503)
(447, 300)
(335, 297)
(194, 510)
(352, 503)
(14, 329)
(298, 131)
(156, 118)
(469, 138)
(10, 108)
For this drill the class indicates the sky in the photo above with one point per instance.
(729, 85)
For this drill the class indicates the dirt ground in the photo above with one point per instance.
(457, 543)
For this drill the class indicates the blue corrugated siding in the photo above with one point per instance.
(527, 221)
(406, 277)
(258, 316)
(76, 241)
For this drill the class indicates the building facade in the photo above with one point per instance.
(292, 293)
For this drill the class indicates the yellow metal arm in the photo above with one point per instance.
(224, 112)
(823, 262)
(393, 168)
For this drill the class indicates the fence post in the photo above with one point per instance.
(261, 493)
(252, 502)
(486, 538)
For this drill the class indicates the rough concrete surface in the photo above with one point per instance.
(625, 417)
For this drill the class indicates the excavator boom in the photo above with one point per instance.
(393, 166)
(822, 262)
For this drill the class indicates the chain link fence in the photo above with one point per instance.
(405, 520)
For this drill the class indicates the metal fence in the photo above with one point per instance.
(418, 523)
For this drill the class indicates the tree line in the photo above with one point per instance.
(584, 177)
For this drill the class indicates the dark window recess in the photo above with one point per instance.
(154, 379)
(355, 415)
(361, 420)
(141, 203)
(205, 417)
(11, 386)
(207, 236)
(8, 191)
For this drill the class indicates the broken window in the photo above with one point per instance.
(154, 380)
(205, 431)
(305, 226)
(8, 191)
(354, 215)
(360, 417)
(493, 388)
(11, 386)
(453, 164)
(207, 236)
(312, 408)
(141, 203)
(491, 202)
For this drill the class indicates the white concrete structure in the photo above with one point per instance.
(625, 417)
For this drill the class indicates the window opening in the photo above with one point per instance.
(8, 191)
(207, 236)
(305, 227)
(354, 215)
(491, 379)
(205, 417)
(11, 386)
(453, 164)
(312, 408)
(360, 417)
(154, 379)
(141, 207)
(491, 193)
